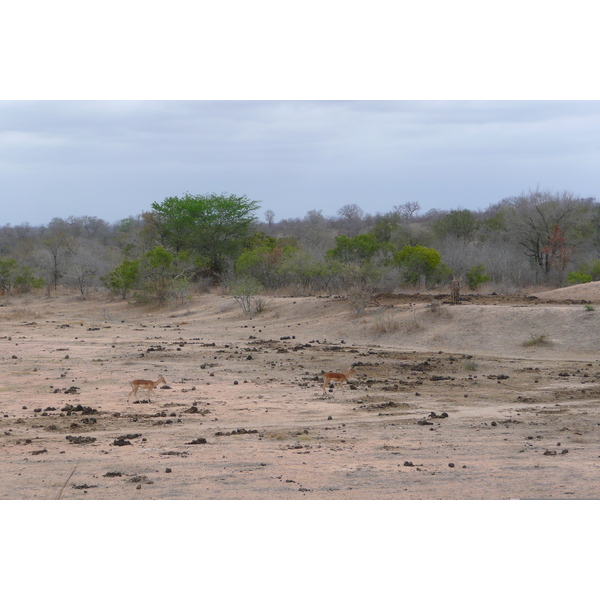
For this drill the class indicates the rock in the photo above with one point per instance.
(121, 443)
(80, 439)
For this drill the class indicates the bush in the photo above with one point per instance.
(243, 291)
(476, 276)
(122, 279)
(537, 340)
(587, 272)
(14, 276)
(577, 277)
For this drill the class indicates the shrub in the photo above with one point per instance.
(243, 291)
(476, 276)
(587, 272)
(538, 340)
(577, 277)
(122, 279)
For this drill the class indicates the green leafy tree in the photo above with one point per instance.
(15, 276)
(158, 271)
(262, 259)
(418, 261)
(459, 223)
(8, 272)
(359, 248)
(212, 227)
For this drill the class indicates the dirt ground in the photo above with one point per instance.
(494, 398)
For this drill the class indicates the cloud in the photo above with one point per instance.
(113, 159)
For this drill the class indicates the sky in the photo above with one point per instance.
(113, 159)
(451, 105)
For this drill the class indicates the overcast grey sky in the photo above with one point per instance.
(346, 123)
(112, 159)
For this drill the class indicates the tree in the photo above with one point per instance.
(534, 219)
(270, 217)
(87, 263)
(418, 261)
(158, 272)
(58, 247)
(212, 227)
(351, 218)
(8, 272)
(386, 226)
(262, 258)
(459, 223)
(407, 210)
(360, 248)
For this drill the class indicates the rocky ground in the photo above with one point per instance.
(495, 398)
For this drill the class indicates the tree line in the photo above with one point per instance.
(191, 242)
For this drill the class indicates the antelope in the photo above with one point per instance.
(338, 378)
(145, 384)
(455, 290)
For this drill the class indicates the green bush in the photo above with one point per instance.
(577, 277)
(587, 272)
(122, 279)
(476, 276)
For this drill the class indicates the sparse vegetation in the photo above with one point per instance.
(386, 324)
(537, 340)
(476, 276)
(244, 290)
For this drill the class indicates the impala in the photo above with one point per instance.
(338, 378)
(145, 384)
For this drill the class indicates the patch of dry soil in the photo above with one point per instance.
(446, 401)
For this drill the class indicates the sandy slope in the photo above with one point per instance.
(522, 422)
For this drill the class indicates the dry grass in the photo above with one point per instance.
(20, 314)
(386, 324)
(537, 340)
(470, 365)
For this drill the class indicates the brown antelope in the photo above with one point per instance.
(455, 290)
(338, 379)
(145, 384)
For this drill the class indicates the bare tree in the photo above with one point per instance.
(57, 248)
(351, 219)
(270, 217)
(534, 217)
(87, 263)
(407, 210)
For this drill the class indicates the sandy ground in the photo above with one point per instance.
(447, 402)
